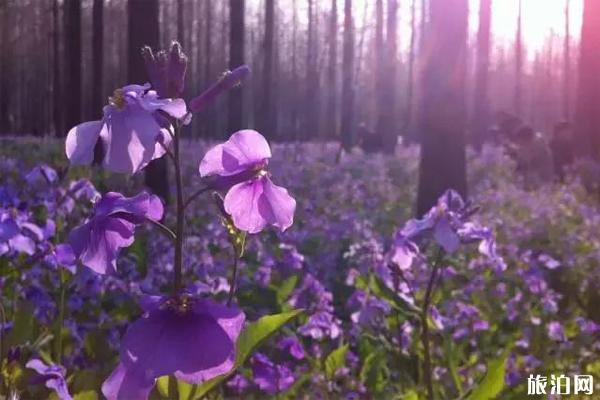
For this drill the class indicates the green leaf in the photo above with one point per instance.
(335, 360)
(162, 384)
(410, 395)
(493, 381)
(23, 326)
(372, 372)
(450, 353)
(250, 339)
(87, 395)
(286, 288)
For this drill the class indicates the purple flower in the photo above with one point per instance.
(12, 234)
(294, 347)
(194, 339)
(166, 70)
(62, 256)
(41, 174)
(269, 377)
(227, 81)
(130, 130)
(252, 200)
(555, 331)
(111, 227)
(54, 377)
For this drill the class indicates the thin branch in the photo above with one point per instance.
(164, 229)
(194, 196)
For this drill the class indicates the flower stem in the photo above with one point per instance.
(425, 339)
(61, 319)
(232, 284)
(164, 229)
(2, 325)
(194, 196)
(178, 264)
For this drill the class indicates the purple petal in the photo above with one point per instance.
(22, 244)
(126, 385)
(241, 202)
(161, 343)
(445, 236)
(244, 149)
(81, 140)
(8, 229)
(279, 206)
(131, 137)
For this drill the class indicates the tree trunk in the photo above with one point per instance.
(517, 100)
(180, 23)
(347, 123)
(143, 30)
(208, 117)
(97, 58)
(566, 95)
(72, 84)
(386, 124)
(587, 115)
(236, 58)
(57, 116)
(266, 120)
(442, 120)
(311, 100)
(331, 127)
(295, 80)
(408, 113)
(481, 109)
(4, 60)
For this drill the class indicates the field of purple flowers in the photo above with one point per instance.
(354, 300)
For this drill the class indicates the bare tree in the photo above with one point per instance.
(587, 117)
(442, 119)
(518, 94)
(311, 99)
(97, 57)
(266, 118)
(4, 63)
(347, 125)
(72, 83)
(481, 109)
(236, 58)
(331, 128)
(566, 92)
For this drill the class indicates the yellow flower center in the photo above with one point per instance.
(117, 99)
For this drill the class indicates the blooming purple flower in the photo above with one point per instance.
(194, 339)
(227, 81)
(269, 377)
(556, 332)
(166, 70)
(130, 130)
(54, 377)
(293, 346)
(111, 227)
(252, 200)
(16, 234)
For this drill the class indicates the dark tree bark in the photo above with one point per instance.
(518, 94)
(587, 115)
(208, 117)
(4, 60)
(311, 100)
(442, 119)
(143, 30)
(57, 116)
(347, 124)
(295, 80)
(180, 23)
(387, 127)
(72, 84)
(566, 92)
(481, 108)
(408, 113)
(331, 110)
(267, 118)
(97, 57)
(236, 58)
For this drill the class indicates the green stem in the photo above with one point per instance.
(61, 319)
(232, 284)
(164, 229)
(425, 339)
(2, 325)
(178, 264)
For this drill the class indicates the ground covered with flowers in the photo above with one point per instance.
(503, 286)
